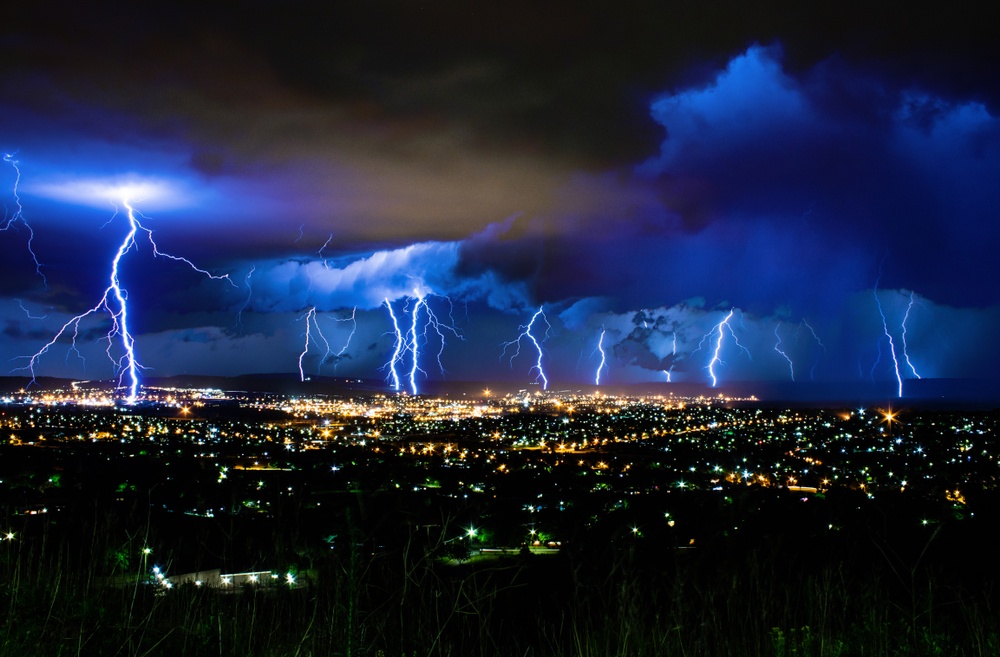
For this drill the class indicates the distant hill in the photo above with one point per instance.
(10, 384)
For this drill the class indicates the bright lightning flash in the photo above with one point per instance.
(114, 301)
(312, 325)
(906, 354)
(892, 344)
(525, 332)
(673, 352)
(719, 331)
(421, 324)
(603, 363)
(397, 353)
(414, 315)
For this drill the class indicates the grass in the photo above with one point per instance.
(80, 589)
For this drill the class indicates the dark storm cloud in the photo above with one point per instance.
(766, 192)
(392, 123)
(15, 329)
(610, 163)
(896, 169)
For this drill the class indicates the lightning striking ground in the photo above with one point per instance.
(415, 365)
(416, 335)
(603, 364)
(114, 301)
(716, 353)
(906, 353)
(673, 354)
(17, 218)
(397, 352)
(892, 344)
(526, 333)
(312, 325)
(718, 347)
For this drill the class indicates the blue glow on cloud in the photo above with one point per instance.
(771, 192)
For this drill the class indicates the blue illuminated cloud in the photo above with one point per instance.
(427, 268)
(774, 190)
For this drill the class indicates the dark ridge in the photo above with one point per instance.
(925, 393)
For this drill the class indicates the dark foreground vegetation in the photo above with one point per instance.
(770, 574)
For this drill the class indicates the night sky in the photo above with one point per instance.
(645, 171)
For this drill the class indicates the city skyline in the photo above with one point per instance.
(672, 195)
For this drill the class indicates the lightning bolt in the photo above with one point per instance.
(323, 248)
(311, 319)
(246, 303)
(906, 354)
(673, 353)
(777, 347)
(440, 328)
(354, 329)
(716, 352)
(417, 334)
(413, 344)
(812, 331)
(525, 332)
(397, 353)
(17, 218)
(28, 312)
(878, 358)
(602, 365)
(114, 302)
(312, 324)
(815, 337)
(892, 344)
